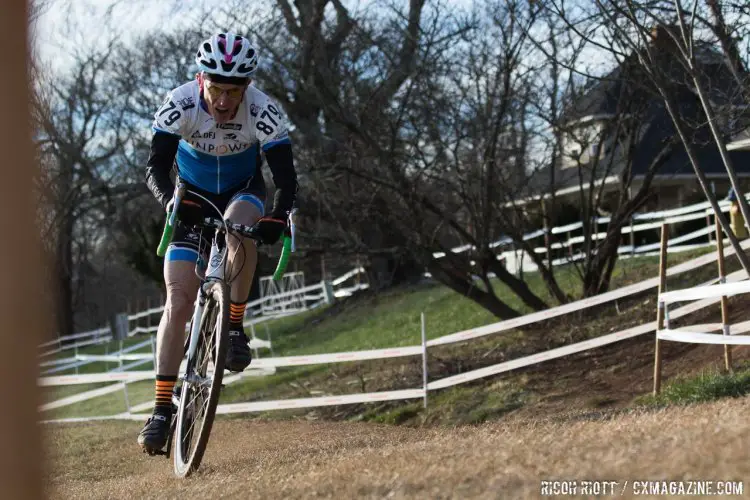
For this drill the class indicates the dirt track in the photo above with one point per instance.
(300, 459)
(502, 459)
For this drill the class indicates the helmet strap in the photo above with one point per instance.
(199, 79)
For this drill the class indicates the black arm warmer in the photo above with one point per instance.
(281, 162)
(160, 161)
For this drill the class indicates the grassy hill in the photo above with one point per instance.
(392, 318)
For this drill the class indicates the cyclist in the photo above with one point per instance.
(214, 128)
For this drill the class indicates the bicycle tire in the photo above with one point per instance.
(188, 455)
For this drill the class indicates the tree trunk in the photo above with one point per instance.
(519, 287)
(729, 46)
(64, 279)
(466, 288)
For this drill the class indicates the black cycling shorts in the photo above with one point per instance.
(188, 242)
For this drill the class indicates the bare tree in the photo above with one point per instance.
(81, 137)
(600, 124)
(417, 129)
(632, 24)
(373, 81)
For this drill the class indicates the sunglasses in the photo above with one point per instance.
(215, 92)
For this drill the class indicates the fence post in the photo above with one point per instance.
(661, 308)
(424, 361)
(149, 320)
(724, 304)
(127, 399)
(124, 384)
(596, 230)
(547, 240)
(328, 292)
(268, 336)
(128, 312)
(153, 349)
(252, 334)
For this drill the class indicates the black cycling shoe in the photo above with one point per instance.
(238, 353)
(155, 434)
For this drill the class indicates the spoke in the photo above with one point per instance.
(199, 382)
(199, 393)
(208, 349)
(189, 431)
(204, 406)
(196, 414)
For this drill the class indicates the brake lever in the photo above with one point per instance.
(292, 229)
(179, 193)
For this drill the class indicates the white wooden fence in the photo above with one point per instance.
(570, 249)
(270, 364)
(310, 297)
(257, 312)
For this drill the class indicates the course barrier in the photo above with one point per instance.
(733, 283)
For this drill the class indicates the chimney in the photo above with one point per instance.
(661, 38)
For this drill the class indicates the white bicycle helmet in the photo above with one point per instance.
(227, 54)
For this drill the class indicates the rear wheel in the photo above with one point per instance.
(202, 383)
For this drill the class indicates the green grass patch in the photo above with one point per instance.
(392, 318)
(98, 367)
(387, 319)
(251, 389)
(708, 386)
(471, 404)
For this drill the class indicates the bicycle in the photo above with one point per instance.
(208, 337)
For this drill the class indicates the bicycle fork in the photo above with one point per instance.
(215, 271)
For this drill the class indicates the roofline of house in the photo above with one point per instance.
(588, 118)
(562, 192)
(614, 179)
(692, 176)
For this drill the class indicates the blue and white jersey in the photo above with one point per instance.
(216, 157)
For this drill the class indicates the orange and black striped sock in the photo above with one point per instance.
(236, 313)
(164, 387)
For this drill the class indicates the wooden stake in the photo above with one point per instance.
(660, 307)
(724, 302)
(547, 240)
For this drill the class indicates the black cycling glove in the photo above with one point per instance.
(270, 229)
(189, 213)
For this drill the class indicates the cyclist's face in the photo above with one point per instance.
(222, 99)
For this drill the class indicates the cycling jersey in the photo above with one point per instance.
(219, 157)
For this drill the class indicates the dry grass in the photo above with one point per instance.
(301, 459)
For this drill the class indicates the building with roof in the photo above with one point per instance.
(620, 123)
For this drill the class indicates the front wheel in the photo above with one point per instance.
(202, 383)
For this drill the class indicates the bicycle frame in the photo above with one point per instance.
(216, 261)
(214, 272)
